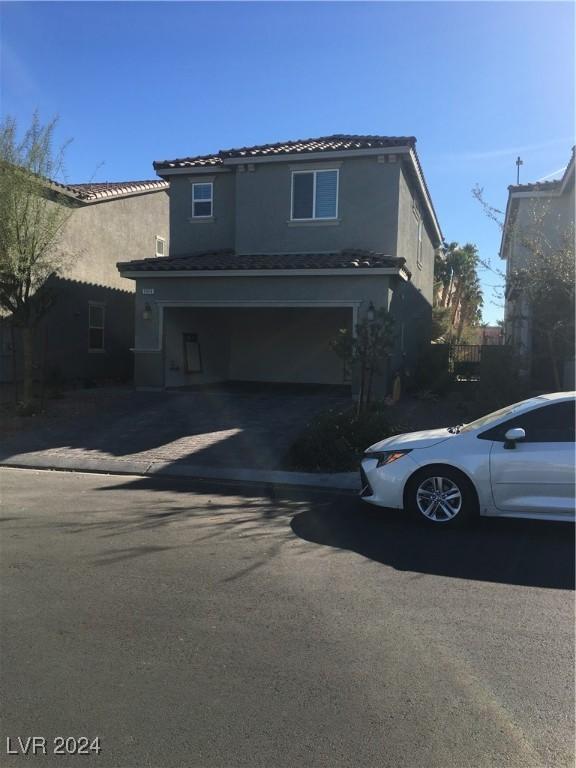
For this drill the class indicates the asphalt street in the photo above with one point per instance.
(213, 626)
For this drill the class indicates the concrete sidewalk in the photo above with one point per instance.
(339, 481)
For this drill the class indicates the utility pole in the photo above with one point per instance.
(518, 164)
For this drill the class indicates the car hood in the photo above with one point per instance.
(411, 440)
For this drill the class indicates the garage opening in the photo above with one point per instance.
(284, 346)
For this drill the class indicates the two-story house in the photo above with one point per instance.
(273, 249)
(88, 333)
(539, 217)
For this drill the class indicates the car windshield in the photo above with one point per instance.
(490, 418)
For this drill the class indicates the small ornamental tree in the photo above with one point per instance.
(367, 351)
(31, 223)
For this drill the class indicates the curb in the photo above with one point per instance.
(341, 481)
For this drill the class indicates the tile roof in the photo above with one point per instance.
(106, 190)
(546, 186)
(228, 260)
(537, 186)
(335, 143)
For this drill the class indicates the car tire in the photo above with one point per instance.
(441, 497)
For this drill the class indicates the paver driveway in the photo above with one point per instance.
(236, 426)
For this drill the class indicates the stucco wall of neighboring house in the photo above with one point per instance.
(63, 336)
(367, 208)
(99, 235)
(190, 235)
(94, 238)
(548, 221)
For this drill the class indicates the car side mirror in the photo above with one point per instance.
(512, 436)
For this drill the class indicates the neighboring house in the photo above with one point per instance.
(273, 249)
(542, 212)
(88, 333)
(490, 335)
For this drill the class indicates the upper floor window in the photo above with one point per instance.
(202, 196)
(315, 194)
(418, 218)
(160, 246)
(419, 245)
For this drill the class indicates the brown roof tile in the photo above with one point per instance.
(228, 260)
(335, 143)
(108, 189)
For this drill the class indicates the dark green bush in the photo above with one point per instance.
(432, 372)
(335, 440)
(500, 383)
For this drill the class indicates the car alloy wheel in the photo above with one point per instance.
(439, 499)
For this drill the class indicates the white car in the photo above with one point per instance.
(516, 462)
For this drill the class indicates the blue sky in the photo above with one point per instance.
(476, 83)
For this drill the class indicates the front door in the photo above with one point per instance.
(537, 475)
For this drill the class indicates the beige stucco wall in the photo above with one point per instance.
(547, 221)
(98, 235)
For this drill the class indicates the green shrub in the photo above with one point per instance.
(335, 440)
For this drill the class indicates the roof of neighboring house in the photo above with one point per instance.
(106, 190)
(335, 143)
(543, 186)
(555, 188)
(230, 261)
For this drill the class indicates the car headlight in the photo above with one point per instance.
(385, 457)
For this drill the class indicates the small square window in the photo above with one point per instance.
(160, 246)
(202, 197)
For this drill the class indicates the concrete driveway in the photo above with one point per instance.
(235, 426)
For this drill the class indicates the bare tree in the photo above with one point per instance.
(32, 216)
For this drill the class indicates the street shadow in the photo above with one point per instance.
(522, 552)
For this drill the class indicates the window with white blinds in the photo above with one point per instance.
(314, 195)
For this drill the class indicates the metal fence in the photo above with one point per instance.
(464, 361)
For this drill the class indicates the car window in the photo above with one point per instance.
(550, 424)
(490, 418)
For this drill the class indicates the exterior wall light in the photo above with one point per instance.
(371, 314)
(147, 313)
